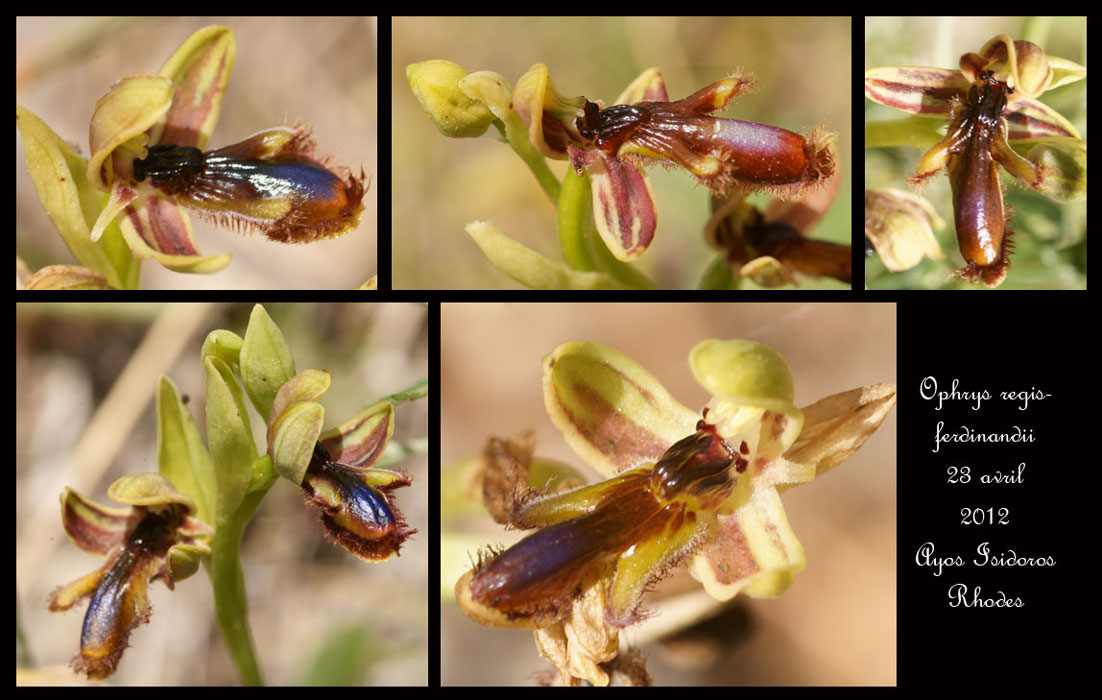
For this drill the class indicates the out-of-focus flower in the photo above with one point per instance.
(899, 226)
(771, 247)
(991, 105)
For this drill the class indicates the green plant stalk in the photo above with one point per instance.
(231, 605)
(417, 390)
(574, 204)
(516, 133)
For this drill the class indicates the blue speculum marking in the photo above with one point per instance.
(273, 180)
(363, 503)
(103, 612)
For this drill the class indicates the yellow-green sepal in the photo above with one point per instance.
(226, 346)
(182, 457)
(229, 435)
(610, 409)
(296, 422)
(744, 376)
(266, 361)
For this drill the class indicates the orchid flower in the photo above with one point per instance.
(699, 489)
(991, 105)
(157, 537)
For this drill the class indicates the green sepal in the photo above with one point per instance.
(610, 409)
(292, 438)
(307, 385)
(296, 421)
(435, 84)
(58, 174)
(148, 490)
(746, 371)
(182, 456)
(225, 345)
(231, 442)
(266, 361)
(1065, 165)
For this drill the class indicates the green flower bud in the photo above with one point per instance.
(435, 84)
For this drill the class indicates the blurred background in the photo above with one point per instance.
(86, 376)
(835, 626)
(441, 184)
(321, 71)
(1050, 237)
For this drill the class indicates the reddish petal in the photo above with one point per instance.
(915, 89)
(361, 440)
(713, 97)
(200, 71)
(1030, 119)
(92, 527)
(623, 204)
(157, 228)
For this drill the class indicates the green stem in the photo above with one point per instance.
(417, 390)
(574, 210)
(231, 605)
(516, 131)
(230, 602)
(718, 275)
